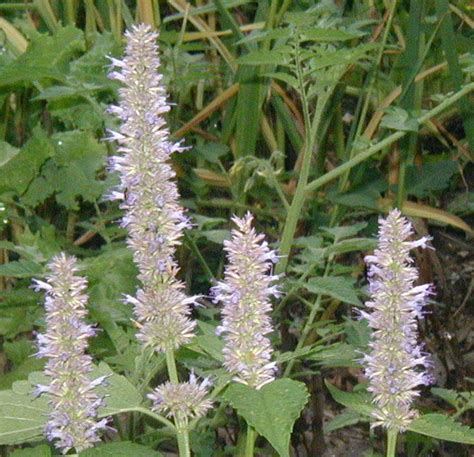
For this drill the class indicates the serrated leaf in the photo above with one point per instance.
(272, 410)
(121, 449)
(23, 417)
(358, 401)
(351, 245)
(442, 427)
(46, 57)
(21, 269)
(17, 173)
(421, 181)
(344, 231)
(337, 355)
(340, 288)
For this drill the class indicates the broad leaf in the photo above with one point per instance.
(272, 410)
(442, 427)
(23, 417)
(43, 450)
(340, 288)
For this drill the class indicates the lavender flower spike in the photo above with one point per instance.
(245, 292)
(72, 421)
(154, 219)
(396, 365)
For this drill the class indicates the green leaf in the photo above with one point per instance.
(336, 355)
(7, 152)
(345, 419)
(20, 170)
(358, 401)
(421, 181)
(442, 427)
(340, 288)
(21, 269)
(330, 35)
(120, 449)
(43, 450)
(46, 57)
(344, 231)
(72, 173)
(272, 410)
(273, 57)
(398, 119)
(23, 417)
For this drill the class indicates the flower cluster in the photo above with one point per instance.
(72, 421)
(245, 292)
(154, 219)
(186, 400)
(396, 365)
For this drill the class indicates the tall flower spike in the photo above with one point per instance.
(245, 292)
(72, 421)
(396, 365)
(154, 219)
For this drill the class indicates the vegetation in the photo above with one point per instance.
(318, 117)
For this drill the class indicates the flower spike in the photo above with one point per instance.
(154, 218)
(72, 422)
(245, 292)
(396, 364)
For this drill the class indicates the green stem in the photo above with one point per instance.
(250, 441)
(182, 432)
(299, 197)
(338, 171)
(391, 443)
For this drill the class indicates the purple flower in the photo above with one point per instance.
(245, 292)
(72, 422)
(154, 219)
(396, 365)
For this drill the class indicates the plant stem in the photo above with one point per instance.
(250, 441)
(181, 423)
(391, 443)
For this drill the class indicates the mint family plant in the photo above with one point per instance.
(74, 401)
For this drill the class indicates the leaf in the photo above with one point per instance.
(398, 119)
(442, 427)
(19, 171)
(351, 245)
(46, 57)
(345, 419)
(24, 417)
(344, 231)
(21, 269)
(257, 58)
(121, 449)
(7, 152)
(337, 355)
(43, 450)
(358, 401)
(340, 288)
(421, 181)
(330, 35)
(272, 410)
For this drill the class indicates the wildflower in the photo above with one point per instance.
(183, 401)
(154, 219)
(245, 292)
(396, 364)
(72, 421)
